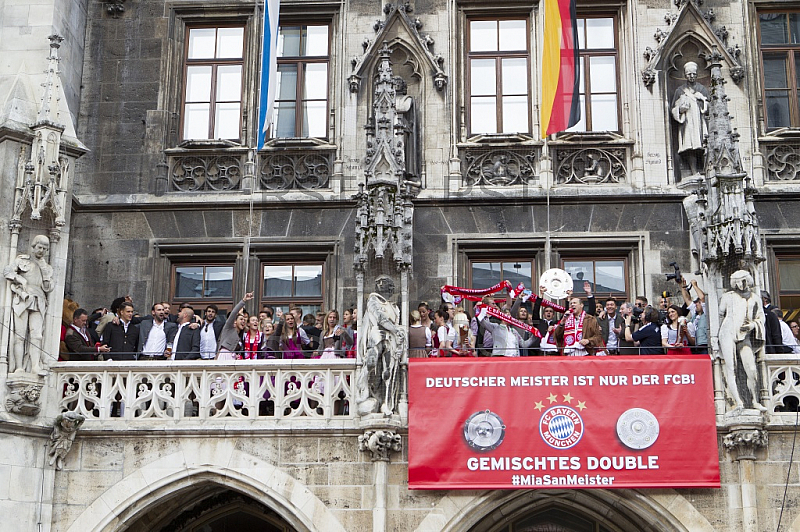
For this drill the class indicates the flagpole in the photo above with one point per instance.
(548, 248)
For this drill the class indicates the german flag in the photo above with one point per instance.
(560, 107)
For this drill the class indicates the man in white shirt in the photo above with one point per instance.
(155, 334)
(186, 344)
(209, 333)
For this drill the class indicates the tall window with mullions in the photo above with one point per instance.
(779, 35)
(301, 101)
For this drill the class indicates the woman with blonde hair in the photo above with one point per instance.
(332, 337)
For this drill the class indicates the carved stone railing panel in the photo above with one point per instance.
(286, 170)
(499, 166)
(269, 389)
(784, 387)
(205, 172)
(782, 161)
(593, 165)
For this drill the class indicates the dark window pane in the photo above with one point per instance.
(518, 272)
(188, 282)
(219, 282)
(789, 271)
(794, 27)
(289, 41)
(580, 271)
(777, 109)
(775, 71)
(284, 119)
(609, 276)
(485, 274)
(308, 280)
(773, 28)
(277, 281)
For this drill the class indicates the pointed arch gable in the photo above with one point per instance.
(145, 488)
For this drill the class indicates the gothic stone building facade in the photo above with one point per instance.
(404, 142)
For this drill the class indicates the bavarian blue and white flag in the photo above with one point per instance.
(269, 69)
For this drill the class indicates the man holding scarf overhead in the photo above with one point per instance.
(578, 333)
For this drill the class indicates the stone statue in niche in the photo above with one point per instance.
(406, 122)
(65, 428)
(741, 335)
(383, 341)
(689, 108)
(30, 279)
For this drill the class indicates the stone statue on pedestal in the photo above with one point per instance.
(741, 335)
(382, 342)
(30, 279)
(689, 107)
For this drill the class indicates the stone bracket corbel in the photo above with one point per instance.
(743, 443)
(380, 444)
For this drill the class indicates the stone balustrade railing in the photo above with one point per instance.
(784, 384)
(206, 390)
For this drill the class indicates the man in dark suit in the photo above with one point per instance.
(79, 342)
(612, 322)
(122, 338)
(772, 327)
(186, 344)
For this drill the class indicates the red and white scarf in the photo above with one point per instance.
(573, 333)
(251, 344)
(482, 310)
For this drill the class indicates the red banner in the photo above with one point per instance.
(562, 422)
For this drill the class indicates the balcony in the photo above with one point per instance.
(307, 394)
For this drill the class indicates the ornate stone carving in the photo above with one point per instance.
(744, 442)
(295, 170)
(115, 8)
(499, 167)
(590, 166)
(380, 444)
(30, 279)
(249, 391)
(648, 77)
(23, 396)
(784, 385)
(64, 430)
(194, 173)
(385, 211)
(397, 17)
(660, 35)
(783, 162)
(43, 173)
(382, 342)
(741, 336)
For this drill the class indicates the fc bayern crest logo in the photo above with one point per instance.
(561, 427)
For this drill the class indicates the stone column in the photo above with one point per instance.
(380, 444)
(742, 444)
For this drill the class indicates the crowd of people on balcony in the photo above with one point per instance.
(585, 327)
(118, 333)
